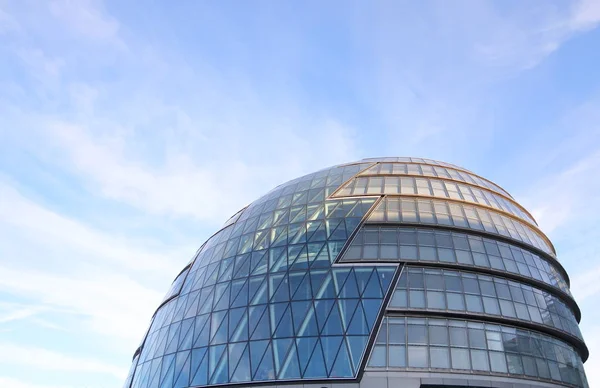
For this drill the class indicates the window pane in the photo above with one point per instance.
(440, 357)
(460, 358)
(479, 359)
(378, 358)
(397, 356)
(417, 356)
(438, 335)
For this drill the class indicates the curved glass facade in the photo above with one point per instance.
(296, 286)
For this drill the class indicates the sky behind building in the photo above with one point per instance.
(129, 133)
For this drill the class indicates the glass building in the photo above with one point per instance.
(387, 272)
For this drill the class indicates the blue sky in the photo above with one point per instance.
(130, 132)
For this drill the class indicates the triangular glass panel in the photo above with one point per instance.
(280, 351)
(315, 211)
(265, 371)
(316, 278)
(308, 326)
(265, 220)
(222, 296)
(340, 233)
(161, 340)
(351, 224)
(254, 315)
(316, 195)
(199, 367)
(215, 364)
(251, 224)
(235, 315)
(297, 233)
(385, 277)
(206, 296)
(246, 242)
(279, 236)
(281, 217)
(239, 293)
(259, 262)
(278, 259)
(327, 289)
(322, 310)
(192, 305)
(290, 368)
(235, 352)
(212, 271)
(297, 214)
(358, 324)
(335, 247)
(339, 277)
(356, 345)
(316, 366)
(373, 289)
(303, 290)
(371, 308)
(262, 239)
(242, 371)
(186, 334)
(242, 266)
(299, 310)
(198, 279)
(333, 326)
(275, 281)
(297, 258)
(341, 366)
(319, 233)
(218, 328)
(257, 290)
(362, 277)
(239, 333)
(262, 330)
(285, 327)
(155, 379)
(305, 346)
(202, 330)
(166, 371)
(300, 198)
(282, 293)
(346, 307)
(331, 225)
(257, 351)
(276, 311)
(295, 279)
(331, 347)
(226, 270)
(180, 309)
(322, 259)
(182, 370)
(173, 338)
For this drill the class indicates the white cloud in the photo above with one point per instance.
(19, 383)
(87, 18)
(39, 358)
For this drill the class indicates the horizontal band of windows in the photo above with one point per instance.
(432, 188)
(451, 290)
(454, 248)
(421, 343)
(450, 213)
(434, 170)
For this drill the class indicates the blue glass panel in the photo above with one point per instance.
(192, 305)
(266, 370)
(186, 334)
(242, 266)
(356, 346)
(206, 297)
(220, 373)
(342, 366)
(322, 310)
(282, 293)
(304, 290)
(316, 365)
(202, 330)
(373, 289)
(235, 327)
(276, 311)
(235, 351)
(346, 308)
(239, 293)
(385, 277)
(305, 346)
(290, 368)
(333, 326)
(327, 290)
(182, 370)
(316, 278)
(221, 296)
(262, 330)
(167, 370)
(242, 370)
(259, 262)
(297, 257)
(281, 347)
(330, 345)
(358, 324)
(278, 259)
(173, 338)
(285, 327)
(257, 350)
(350, 287)
(299, 310)
(371, 311)
(309, 326)
(322, 259)
(199, 367)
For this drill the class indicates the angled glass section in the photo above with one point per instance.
(266, 288)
